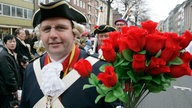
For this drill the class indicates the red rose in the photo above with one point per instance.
(187, 38)
(169, 53)
(108, 51)
(157, 66)
(83, 67)
(108, 77)
(154, 42)
(124, 29)
(138, 63)
(180, 70)
(186, 57)
(149, 25)
(122, 42)
(136, 39)
(173, 40)
(113, 36)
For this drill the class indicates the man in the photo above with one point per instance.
(101, 33)
(22, 49)
(120, 23)
(9, 72)
(48, 81)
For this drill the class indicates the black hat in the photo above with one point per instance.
(57, 9)
(104, 29)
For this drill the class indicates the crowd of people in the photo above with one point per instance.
(92, 42)
(38, 63)
(16, 53)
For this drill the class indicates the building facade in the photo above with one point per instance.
(20, 12)
(179, 19)
(188, 15)
(14, 15)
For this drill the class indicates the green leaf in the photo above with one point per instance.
(147, 62)
(124, 98)
(137, 89)
(86, 86)
(157, 80)
(128, 54)
(118, 90)
(93, 79)
(110, 97)
(100, 91)
(130, 74)
(154, 88)
(158, 53)
(98, 98)
(146, 77)
(142, 52)
(102, 67)
(104, 88)
(125, 63)
(176, 61)
(119, 63)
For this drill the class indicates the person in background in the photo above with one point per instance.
(32, 42)
(49, 80)
(101, 33)
(9, 72)
(88, 43)
(27, 37)
(120, 23)
(22, 48)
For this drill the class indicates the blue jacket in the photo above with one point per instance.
(73, 97)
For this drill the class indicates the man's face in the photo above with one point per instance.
(119, 25)
(21, 35)
(11, 44)
(101, 37)
(57, 36)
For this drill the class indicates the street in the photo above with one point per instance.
(179, 95)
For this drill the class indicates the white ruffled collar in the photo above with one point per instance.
(51, 83)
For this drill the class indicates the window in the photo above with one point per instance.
(0, 9)
(89, 8)
(6, 10)
(25, 13)
(84, 5)
(67, 0)
(81, 5)
(89, 16)
(20, 12)
(77, 2)
(29, 0)
(13, 13)
(29, 14)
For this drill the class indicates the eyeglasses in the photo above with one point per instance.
(120, 24)
(47, 29)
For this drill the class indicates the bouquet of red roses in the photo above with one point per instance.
(141, 60)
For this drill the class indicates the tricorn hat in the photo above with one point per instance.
(104, 29)
(57, 9)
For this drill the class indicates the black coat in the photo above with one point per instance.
(9, 73)
(73, 97)
(22, 50)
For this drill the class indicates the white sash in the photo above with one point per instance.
(68, 80)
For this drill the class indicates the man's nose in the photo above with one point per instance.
(53, 32)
